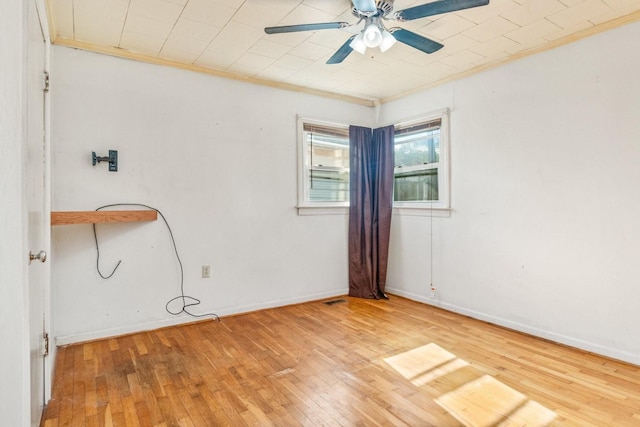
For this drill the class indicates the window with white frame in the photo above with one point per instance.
(324, 164)
(420, 173)
(421, 163)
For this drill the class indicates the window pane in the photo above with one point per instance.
(328, 151)
(416, 186)
(328, 163)
(417, 149)
(329, 185)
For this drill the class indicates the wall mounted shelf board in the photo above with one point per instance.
(97, 217)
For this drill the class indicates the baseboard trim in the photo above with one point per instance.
(183, 319)
(521, 327)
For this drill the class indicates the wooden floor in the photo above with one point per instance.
(354, 363)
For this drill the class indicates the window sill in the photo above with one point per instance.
(436, 212)
(397, 210)
(323, 210)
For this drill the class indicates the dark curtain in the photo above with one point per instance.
(371, 199)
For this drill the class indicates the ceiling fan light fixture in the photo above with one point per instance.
(358, 45)
(387, 41)
(372, 36)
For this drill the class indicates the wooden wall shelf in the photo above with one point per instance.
(97, 217)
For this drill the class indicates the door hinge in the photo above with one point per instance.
(46, 81)
(45, 344)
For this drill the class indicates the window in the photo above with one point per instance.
(324, 159)
(420, 174)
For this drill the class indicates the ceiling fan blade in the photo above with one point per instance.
(365, 5)
(306, 27)
(436, 8)
(342, 52)
(415, 40)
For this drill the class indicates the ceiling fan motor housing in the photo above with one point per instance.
(383, 8)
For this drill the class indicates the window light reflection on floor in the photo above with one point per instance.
(468, 394)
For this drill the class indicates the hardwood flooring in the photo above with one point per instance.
(354, 363)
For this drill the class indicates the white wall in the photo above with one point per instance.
(14, 320)
(544, 235)
(218, 158)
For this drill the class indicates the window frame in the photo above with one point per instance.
(306, 206)
(440, 207)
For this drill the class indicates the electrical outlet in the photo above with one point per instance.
(432, 292)
(206, 271)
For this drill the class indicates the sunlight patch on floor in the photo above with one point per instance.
(424, 364)
(468, 394)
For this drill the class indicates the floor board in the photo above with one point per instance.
(354, 363)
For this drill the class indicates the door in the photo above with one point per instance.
(37, 202)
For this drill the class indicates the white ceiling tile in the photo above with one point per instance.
(315, 71)
(218, 59)
(571, 30)
(447, 26)
(239, 36)
(497, 48)
(331, 39)
(176, 42)
(266, 12)
(332, 7)
(99, 25)
(178, 55)
(195, 29)
(256, 13)
(289, 39)
(570, 3)
(463, 59)
(229, 45)
(304, 14)
(178, 2)
(276, 73)
(269, 48)
(623, 6)
(582, 12)
(243, 70)
(455, 44)
(292, 62)
(254, 61)
(157, 10)
(491, 29)
(143, 25)
(110, 7)
(61, 14)
(141, 43)
(311, 51)
(414, 57)
(486, 13)
(435, 72)
(533, 34)
(209, 12)
(533, 11)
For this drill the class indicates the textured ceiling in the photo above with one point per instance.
(227, 38)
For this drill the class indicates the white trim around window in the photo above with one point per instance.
(306, 204)
(440, 207)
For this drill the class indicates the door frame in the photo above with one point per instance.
(37, 212)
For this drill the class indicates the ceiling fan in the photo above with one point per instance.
(374, 34)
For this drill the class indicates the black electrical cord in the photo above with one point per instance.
(187, 301)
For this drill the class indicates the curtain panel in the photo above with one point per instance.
(371, 201)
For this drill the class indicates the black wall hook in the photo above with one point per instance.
(112, 159)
